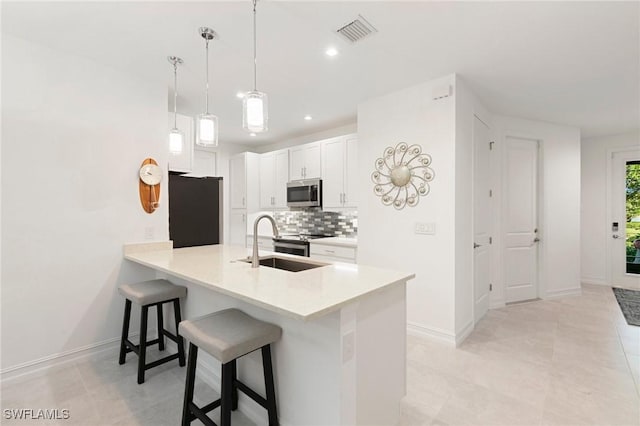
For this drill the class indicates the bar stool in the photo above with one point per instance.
(227, 335)
(148, 294)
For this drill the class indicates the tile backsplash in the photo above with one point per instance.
(317, 221)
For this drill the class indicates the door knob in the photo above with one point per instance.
(615, 236)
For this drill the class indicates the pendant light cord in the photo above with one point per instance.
(175, 95)
(207, 76)
(255, 60)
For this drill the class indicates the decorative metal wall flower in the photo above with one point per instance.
(402, 175)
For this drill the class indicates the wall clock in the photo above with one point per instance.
(149, 185)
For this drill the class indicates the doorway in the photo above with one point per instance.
(624, 244)
(521, 235)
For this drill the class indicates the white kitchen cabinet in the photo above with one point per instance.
(332, 253)
(274, 175)
(339, 172)
(243, 181)
(238, 181)
(304, 161)
(237, 227)
(264, 243)
(182, 162)
(244, 193)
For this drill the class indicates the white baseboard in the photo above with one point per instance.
(555, 294)
(464, 333)
(594, 281)
(497, 304)
(431, 333)
(62, 358)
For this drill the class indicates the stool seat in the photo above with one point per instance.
(229, 334)
(152, 291)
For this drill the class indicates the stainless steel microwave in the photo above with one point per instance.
(304, 193)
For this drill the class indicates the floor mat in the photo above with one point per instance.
(629, 301)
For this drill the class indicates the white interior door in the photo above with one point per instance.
(481, 218)
(520, 214)
(625, 221)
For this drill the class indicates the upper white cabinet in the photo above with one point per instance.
(304, 162)
(274, 175)
(339, 172)
(243, 187)
(182, 162)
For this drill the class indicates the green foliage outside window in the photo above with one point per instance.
(633, 208)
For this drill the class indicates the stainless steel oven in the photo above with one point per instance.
(304, 193)
(297, 247)
(295, 244)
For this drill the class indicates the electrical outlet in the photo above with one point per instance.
(149, 234)
(425, 228)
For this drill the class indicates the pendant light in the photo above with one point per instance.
(207, 124)
(176, 137)
(255, 113)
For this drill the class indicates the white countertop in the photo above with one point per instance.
(302, 295)
(336, 241)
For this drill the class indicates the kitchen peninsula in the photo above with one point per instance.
(342, 356)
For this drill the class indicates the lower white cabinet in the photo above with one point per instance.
(238, 227)
(333, 253)
(264, 243)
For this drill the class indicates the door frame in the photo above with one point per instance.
(609, 204)
(499, 249)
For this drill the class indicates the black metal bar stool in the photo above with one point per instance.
(227, 335)
(148, 294)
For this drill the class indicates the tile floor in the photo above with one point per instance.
(571, 361)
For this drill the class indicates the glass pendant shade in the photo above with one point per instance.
(207, 130)
(176, 141)
(255, 112)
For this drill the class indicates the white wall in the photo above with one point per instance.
(74, 133)
(307, 138)
(595, 228)
(560, 183)
(467, 107)
(385, 235)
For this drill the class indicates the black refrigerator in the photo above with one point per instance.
(195, 210)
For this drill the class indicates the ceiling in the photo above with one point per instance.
(575, 63)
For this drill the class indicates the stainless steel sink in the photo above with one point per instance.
(287, 264)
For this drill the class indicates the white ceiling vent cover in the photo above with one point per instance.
(357, 29)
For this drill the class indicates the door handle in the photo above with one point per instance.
(476, 245)
(615, 236)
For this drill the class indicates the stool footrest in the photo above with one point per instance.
(212, 406)
(161, 361)
(170, 335)
(251, 393)
(201, 414)
(131, 347)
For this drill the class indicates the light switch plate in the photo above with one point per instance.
(425, 228)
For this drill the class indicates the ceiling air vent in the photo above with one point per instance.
(357, 29)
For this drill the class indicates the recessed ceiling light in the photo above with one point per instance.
(240, 95)
(252, 134)
(308, 117)
(331, 51)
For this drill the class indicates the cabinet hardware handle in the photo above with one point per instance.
(329, 251)
(243, 201)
